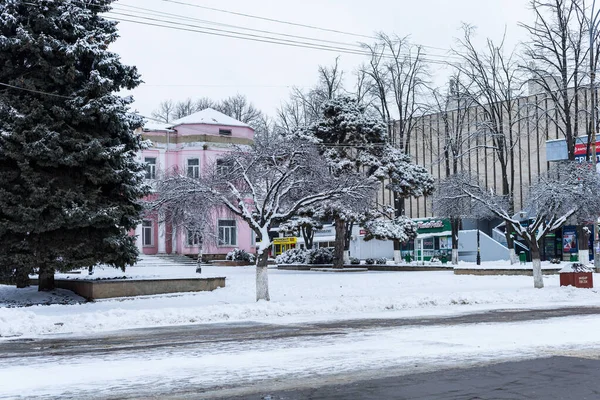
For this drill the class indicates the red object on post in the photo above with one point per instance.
(577, 275)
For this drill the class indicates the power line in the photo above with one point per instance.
(221, 86)
(182, 17)
(250, 37)
(34, 91)
(269, 39)
(268, 19)
(157, 13)
(285, 22)
(197, 30)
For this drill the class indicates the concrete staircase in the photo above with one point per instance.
(164, 260)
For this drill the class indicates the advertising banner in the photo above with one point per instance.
(580, 151)
(569, 240)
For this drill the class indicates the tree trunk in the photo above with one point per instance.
(338, 253)
(22, 277)
(262, 279)
(455, 225)
(583, 237)
(538, 281)
(397, 254)
(510, 243)
(199, 259)
(308, 233)
(46, 279)
(398, 211)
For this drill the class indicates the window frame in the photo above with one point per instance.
(233, 228)
(150, 168)
(195, 242)
(195, 168)
(150, 228)
(223, 166)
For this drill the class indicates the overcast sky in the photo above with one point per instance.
(180, 64)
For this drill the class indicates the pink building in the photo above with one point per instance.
(192, 144)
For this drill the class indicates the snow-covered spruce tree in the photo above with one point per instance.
(69, 182)
(347, 135)
(354, 141)
(267, 184)
(567, 189)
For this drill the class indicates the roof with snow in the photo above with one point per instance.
(208, 116)
(150, 126)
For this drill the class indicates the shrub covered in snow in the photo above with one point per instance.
(370, 261)
(240, 255)
(292, 256)
(382, 260)
(354, 261)
(320, 256)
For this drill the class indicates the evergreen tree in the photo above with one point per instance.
(69, 181)
(355, 140)
(350, 138)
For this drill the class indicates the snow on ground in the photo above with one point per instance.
(366, 353)
(295, 296)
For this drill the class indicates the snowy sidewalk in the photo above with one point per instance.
(296, 297)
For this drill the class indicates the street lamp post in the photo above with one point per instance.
(478, 259)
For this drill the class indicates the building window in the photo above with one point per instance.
(227, 233)
(147, 233)
(193, 168)
(192, 238)
(150, 167)
(224, 167)
(224, 131)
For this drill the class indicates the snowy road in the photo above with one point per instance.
(204, 361)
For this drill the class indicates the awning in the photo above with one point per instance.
(317, 239)
(432, 234)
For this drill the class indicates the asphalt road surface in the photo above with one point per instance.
(573, 377)
(188, 335)
(555, 378)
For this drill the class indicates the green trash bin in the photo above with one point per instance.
(574, 257)
(444, 258)
(522, 257)
(408, 258)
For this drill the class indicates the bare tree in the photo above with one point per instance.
(165, 111)
(555, 59)
(184, 108)
(567, 188)
(397, 80)
(453, 109)
(305, 107)
(555, 62)
(203, 103)
(399, 77)
(240, 108)
(494, 89)
(449, 201)
(192, 213)
(267, 185)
